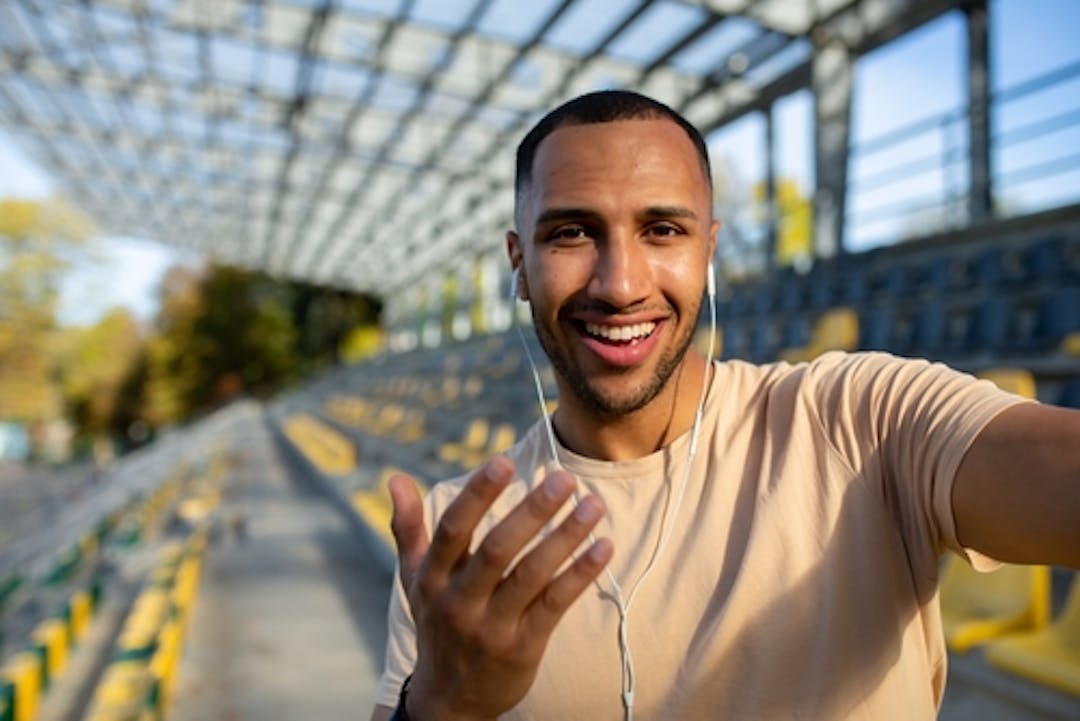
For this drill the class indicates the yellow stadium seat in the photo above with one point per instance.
(326, 449)
(1050, 656)
(977, 607)
(52, 635)
(501, 439)
(1070, 345)
(836, 329)
(1019, 381)
(25, 674)
(701, 342)
(473, 442)
(375, 508)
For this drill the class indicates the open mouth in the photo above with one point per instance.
(618, 334)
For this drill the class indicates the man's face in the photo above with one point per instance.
(616, 233)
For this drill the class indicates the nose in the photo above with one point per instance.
(622, 276)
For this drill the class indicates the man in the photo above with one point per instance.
(776, 559)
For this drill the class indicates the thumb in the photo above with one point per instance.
(407, 525)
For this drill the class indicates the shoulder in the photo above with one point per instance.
(835, 375)
(828, 371)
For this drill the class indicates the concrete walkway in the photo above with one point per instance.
(289, 624)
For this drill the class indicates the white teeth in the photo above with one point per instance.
(620, 332)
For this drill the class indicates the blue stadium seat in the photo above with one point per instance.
(1045, 260)
(764, 344)
(797, 332)
(734, 340)
(942, 272)
(791, 293)
(985, 269)
(820, 291)
(1070, 393)
(853, 283)
(876, 329)
(739, 304)
(930, 328)
(895, 280)
(761, 298)
(989, 325)
(1058, 316)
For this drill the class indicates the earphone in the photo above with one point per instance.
(623, 604)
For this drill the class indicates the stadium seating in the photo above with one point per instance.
(837, 329)
(977, 607)
(1050, 656)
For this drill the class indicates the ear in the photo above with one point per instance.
(714, 233)
(517, 263)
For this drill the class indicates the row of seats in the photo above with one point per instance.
(943, 329)
(894, 273)
(28, 675)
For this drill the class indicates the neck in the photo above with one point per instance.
(633, 435)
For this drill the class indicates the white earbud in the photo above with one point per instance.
(710, 281)
(515, 285)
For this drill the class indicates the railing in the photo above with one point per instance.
(914, 180)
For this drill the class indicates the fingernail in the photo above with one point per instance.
(498, 470)
(599, 551)
(556, 486)
(587, 511)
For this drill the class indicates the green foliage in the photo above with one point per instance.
(37, 241)
(230, 332)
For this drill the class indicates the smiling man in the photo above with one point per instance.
(769, 536)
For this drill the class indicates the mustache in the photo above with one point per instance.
(601, 307)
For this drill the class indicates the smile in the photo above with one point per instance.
(620, 333)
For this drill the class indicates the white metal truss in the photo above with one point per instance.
(359, 143)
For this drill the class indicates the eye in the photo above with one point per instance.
(664, 230)
(569, 234)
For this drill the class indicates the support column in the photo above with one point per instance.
(831, 82)
(979, 205)
(772, 207)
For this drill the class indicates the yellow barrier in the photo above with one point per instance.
(124, 693)
(24, 673)
(329, 451)
(80, 609)
(375, 508)
(52, 635)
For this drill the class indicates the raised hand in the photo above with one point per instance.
(483, 621)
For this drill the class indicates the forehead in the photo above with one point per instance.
(588, 164)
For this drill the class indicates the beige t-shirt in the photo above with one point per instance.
(800, 578)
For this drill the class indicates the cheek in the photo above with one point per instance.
(557, 277)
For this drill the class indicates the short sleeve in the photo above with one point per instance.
(908, 423)
(400, 646)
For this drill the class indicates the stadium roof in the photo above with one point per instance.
(359, 143)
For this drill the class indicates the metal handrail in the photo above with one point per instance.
(954, 149)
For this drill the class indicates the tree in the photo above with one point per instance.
(96, 366)
(38, 242)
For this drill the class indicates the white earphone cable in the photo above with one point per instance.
(670, 513)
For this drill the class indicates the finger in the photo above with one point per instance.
(536, 570)
(550, 605)
(492, 558)
(407, 525)
(454, 532)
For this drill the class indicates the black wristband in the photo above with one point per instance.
(400, 714)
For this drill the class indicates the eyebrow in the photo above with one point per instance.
(653, 212)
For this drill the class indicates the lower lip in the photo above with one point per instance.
(622, 355)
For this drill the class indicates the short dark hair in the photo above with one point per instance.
(603, 106)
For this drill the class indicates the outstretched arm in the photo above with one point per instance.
(483, 621)
(1016, 497)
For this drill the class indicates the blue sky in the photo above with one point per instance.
(918, 76)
